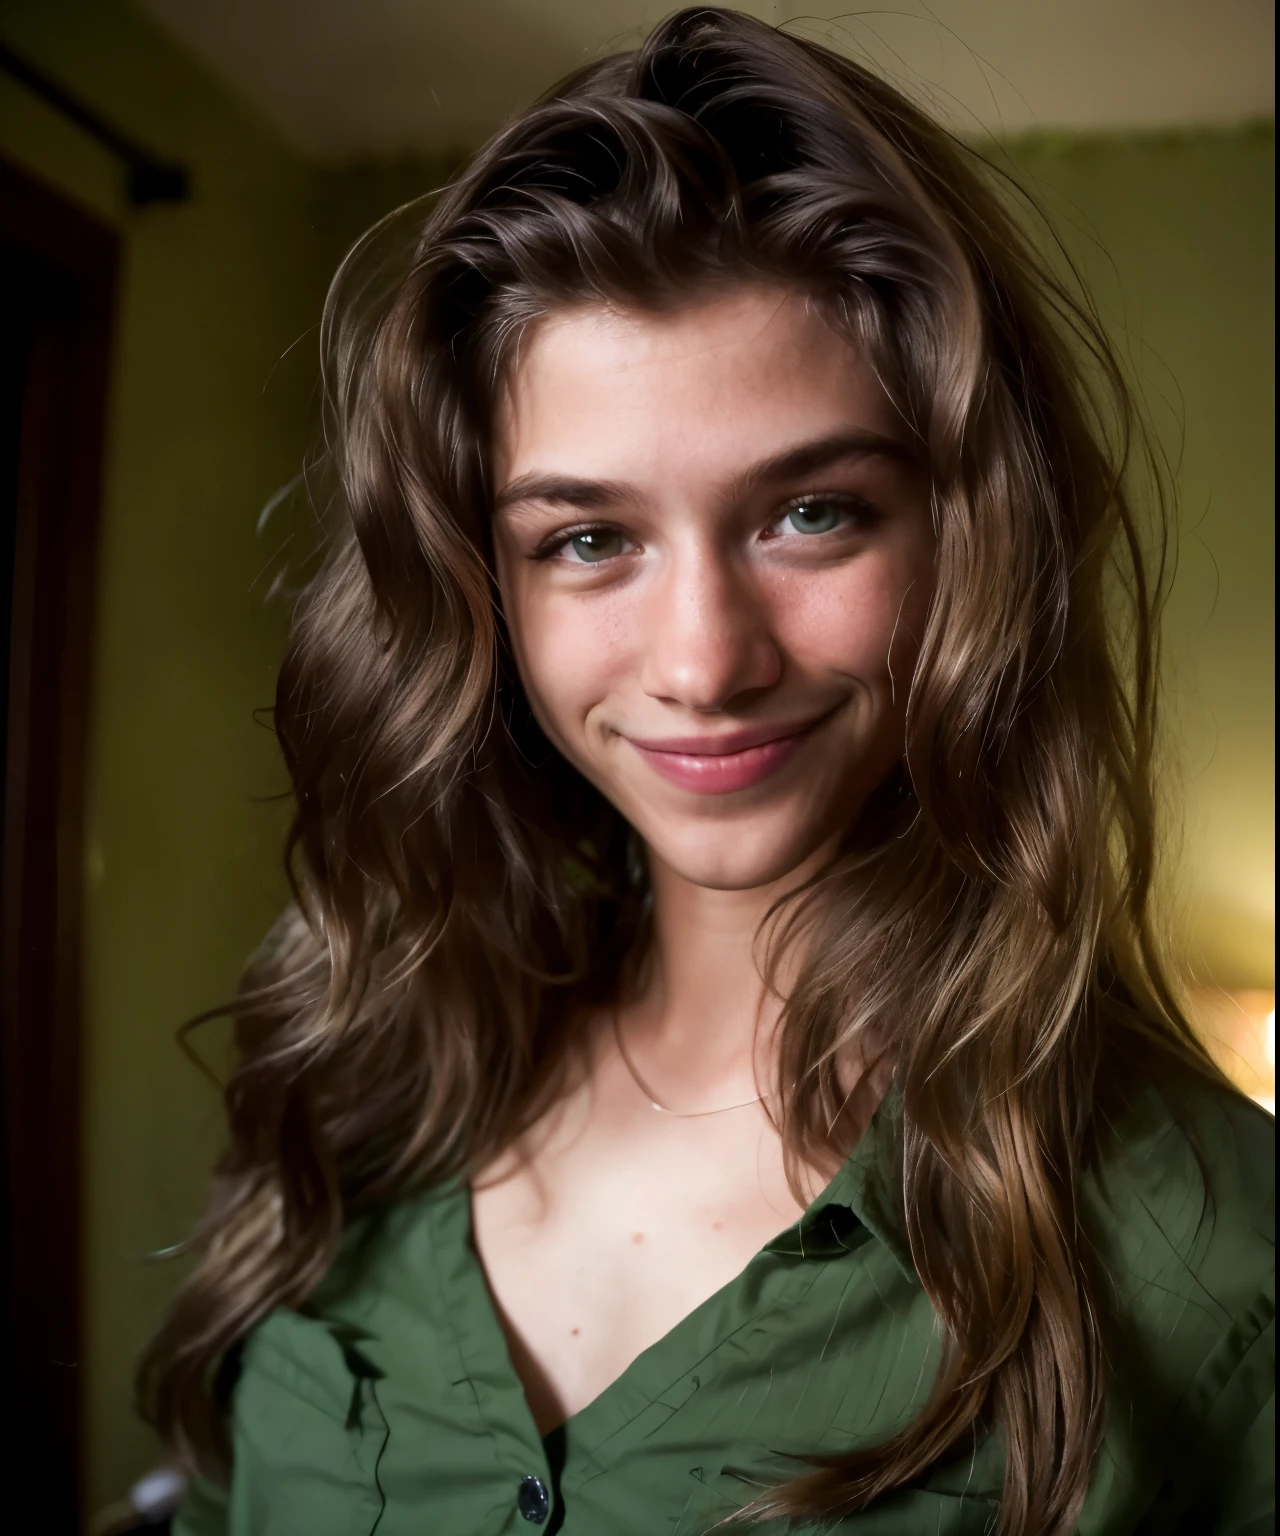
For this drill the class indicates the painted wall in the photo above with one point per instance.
(207, 422)
(1174, 232)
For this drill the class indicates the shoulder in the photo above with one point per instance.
(1183, 1195)
(1180, 1211)
(394, 1250)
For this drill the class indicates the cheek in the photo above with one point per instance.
(846, 619)
(572, 652)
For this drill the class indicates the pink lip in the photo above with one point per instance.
(719, 765)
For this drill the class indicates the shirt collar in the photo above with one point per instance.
(863, 1194)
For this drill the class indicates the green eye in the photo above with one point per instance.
(815, 516)
(596, 544)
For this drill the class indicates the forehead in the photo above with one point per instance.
(642, 396)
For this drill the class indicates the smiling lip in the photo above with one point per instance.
(718, 765)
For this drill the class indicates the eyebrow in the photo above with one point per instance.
(821, 453)
(791, 464)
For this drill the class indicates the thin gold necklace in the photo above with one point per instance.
(676, 1114)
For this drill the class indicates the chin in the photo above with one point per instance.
(733, 858)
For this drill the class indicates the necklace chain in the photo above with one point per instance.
(654, 1103)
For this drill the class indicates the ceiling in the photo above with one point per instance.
(350, 79)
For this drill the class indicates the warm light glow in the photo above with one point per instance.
(1240, 1030)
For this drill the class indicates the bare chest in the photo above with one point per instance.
(601, 1240)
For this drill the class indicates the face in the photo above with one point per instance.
(715, 555)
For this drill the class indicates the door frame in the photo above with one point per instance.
(42, 876)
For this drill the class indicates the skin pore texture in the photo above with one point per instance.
(715, 555)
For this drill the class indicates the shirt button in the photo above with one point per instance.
(532, 1501)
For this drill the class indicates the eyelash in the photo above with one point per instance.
(857, 509)
(552, 546)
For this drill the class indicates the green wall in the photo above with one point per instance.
(207, 421)
(1174, 233)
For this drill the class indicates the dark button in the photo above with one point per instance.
(532, 1500)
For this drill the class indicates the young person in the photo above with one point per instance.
(720, 1065)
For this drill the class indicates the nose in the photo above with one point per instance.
(708, 640)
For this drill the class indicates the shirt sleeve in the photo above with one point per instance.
(203, 1511)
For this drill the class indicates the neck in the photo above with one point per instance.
(705, 1023)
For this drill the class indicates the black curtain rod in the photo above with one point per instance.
(151, 180)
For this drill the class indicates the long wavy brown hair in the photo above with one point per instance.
(464, 900)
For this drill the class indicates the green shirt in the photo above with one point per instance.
(391, 1405)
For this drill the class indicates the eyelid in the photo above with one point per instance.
(808, 498)
(551, 546)
(856, 506)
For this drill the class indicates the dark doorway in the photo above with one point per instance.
(57, 285)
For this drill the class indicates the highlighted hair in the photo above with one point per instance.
(464, 899)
